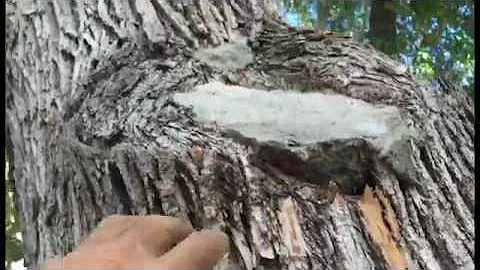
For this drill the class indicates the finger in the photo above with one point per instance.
(158, 234)
(110, 228)
(200, 250)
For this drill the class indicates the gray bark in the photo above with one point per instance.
(99, 122)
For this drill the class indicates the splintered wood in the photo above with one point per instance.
(383, 226)
(291, 230)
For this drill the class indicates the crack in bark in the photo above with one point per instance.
(120, 188)
(91, 191)
(194, 211)
(137, 174)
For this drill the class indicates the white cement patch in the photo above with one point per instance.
(288, 115)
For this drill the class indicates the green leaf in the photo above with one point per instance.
(14, 249)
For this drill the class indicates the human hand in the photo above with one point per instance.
(146, 242)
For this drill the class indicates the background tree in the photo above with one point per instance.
(99, 122)
(383, 26)
(433, 38)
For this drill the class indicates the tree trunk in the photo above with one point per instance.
(383, 28)
(166, 107)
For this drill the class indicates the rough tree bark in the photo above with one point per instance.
(99, 122)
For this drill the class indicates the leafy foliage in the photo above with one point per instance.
(13, 245)
(433, 38)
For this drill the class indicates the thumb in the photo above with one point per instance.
(200, 250)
